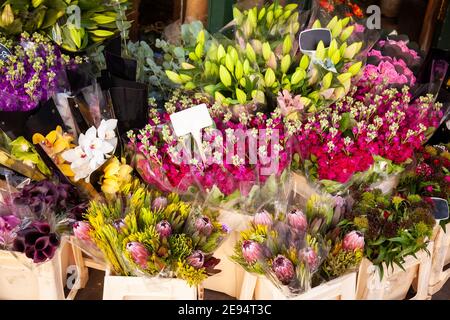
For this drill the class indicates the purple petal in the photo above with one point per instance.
(42, 243)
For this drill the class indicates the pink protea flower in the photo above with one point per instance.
(81, 230)
(284, 269)
(309, 256)
(164, 229)
(138, 253)
(159, 203)
(353, 241)
(297, 220)
(251, 251)
(196, 259)
(262, 218)
(204, 226)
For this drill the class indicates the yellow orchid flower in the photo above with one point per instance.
(116, 175)
(54, 142)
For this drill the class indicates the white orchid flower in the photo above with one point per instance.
(77, 157)
(106, 131)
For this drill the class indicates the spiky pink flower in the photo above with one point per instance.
(309, 256)
(138, 253)
(284, 269)
(353, 240)
(81, 230)
(204, 226)
(251, 251)
(164, 229)
(297, 220)
(196, 259)
(262, 218)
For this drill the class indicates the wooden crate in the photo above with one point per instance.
(441, 258)
(143, 288)
(261, 288)
(229, 280)
(21, 279)
(396, 282)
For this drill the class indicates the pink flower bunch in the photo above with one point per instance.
(163, 163)
(344, 138)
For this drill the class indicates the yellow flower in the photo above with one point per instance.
(116, 175)
(54, 142)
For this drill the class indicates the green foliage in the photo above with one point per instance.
(340, 261)
(190, 274)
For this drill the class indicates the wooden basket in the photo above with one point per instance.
(21, 279)
(396, 282)
(441, 258)
(141, 288)
(261, 288)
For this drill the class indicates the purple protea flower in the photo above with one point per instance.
(81, 230)
(309, 256)
(159, 203)
(251, 251)
(284, 269)
(297, 220)
(138, 253)
(196, 259)
(353, 240)
(37, 242)
(204, 226)
(164, 229)
(263, 218)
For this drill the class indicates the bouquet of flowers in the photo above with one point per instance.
(31, 72)
(263, 59)
(394, 227)
(242, 160)
(144, 233)
(365, 131)
(33, 219)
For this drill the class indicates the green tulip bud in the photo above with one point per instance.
(193, 56)
(326, 81)
(316, 24)
(336, 57)
(243, 82)
(257, 46)
(305, 101)
(214, 70)
(343, 48)
(269, 18)
(250, 53)
(220, 52)
(285, 63)
(189, 86)
(241, 96)
(272, 62)
(333, 48)
(212, 52)
(261, 14)
(332, 23)
(345, 21)
(252, 17)
(339, 93)
(304, 62)
(219, 97)
(246, 67)
(185, 78)
(278, 12)
(337, 29)
(269, 78)
(229, 63)
(298, 76)
(352, 50)
(320, 51)
(355, 68)
(7, 16)
(258, 96)
(201, 37)
(344, 77)
(237, 15)
(199, 50)
(174, 77)
(291, 6)
(225, 76)
(266, 50)
(347, 33)
(238, 70)
(187, 66)
(287, 44)
(36, 3)
(295, 28)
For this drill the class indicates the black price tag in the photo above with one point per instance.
(309, 39)
(4, 52)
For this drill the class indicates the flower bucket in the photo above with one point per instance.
(396, 282)
(21, 279)
(441, 258)
(229, 280)
(261, 288)
(145, 288)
